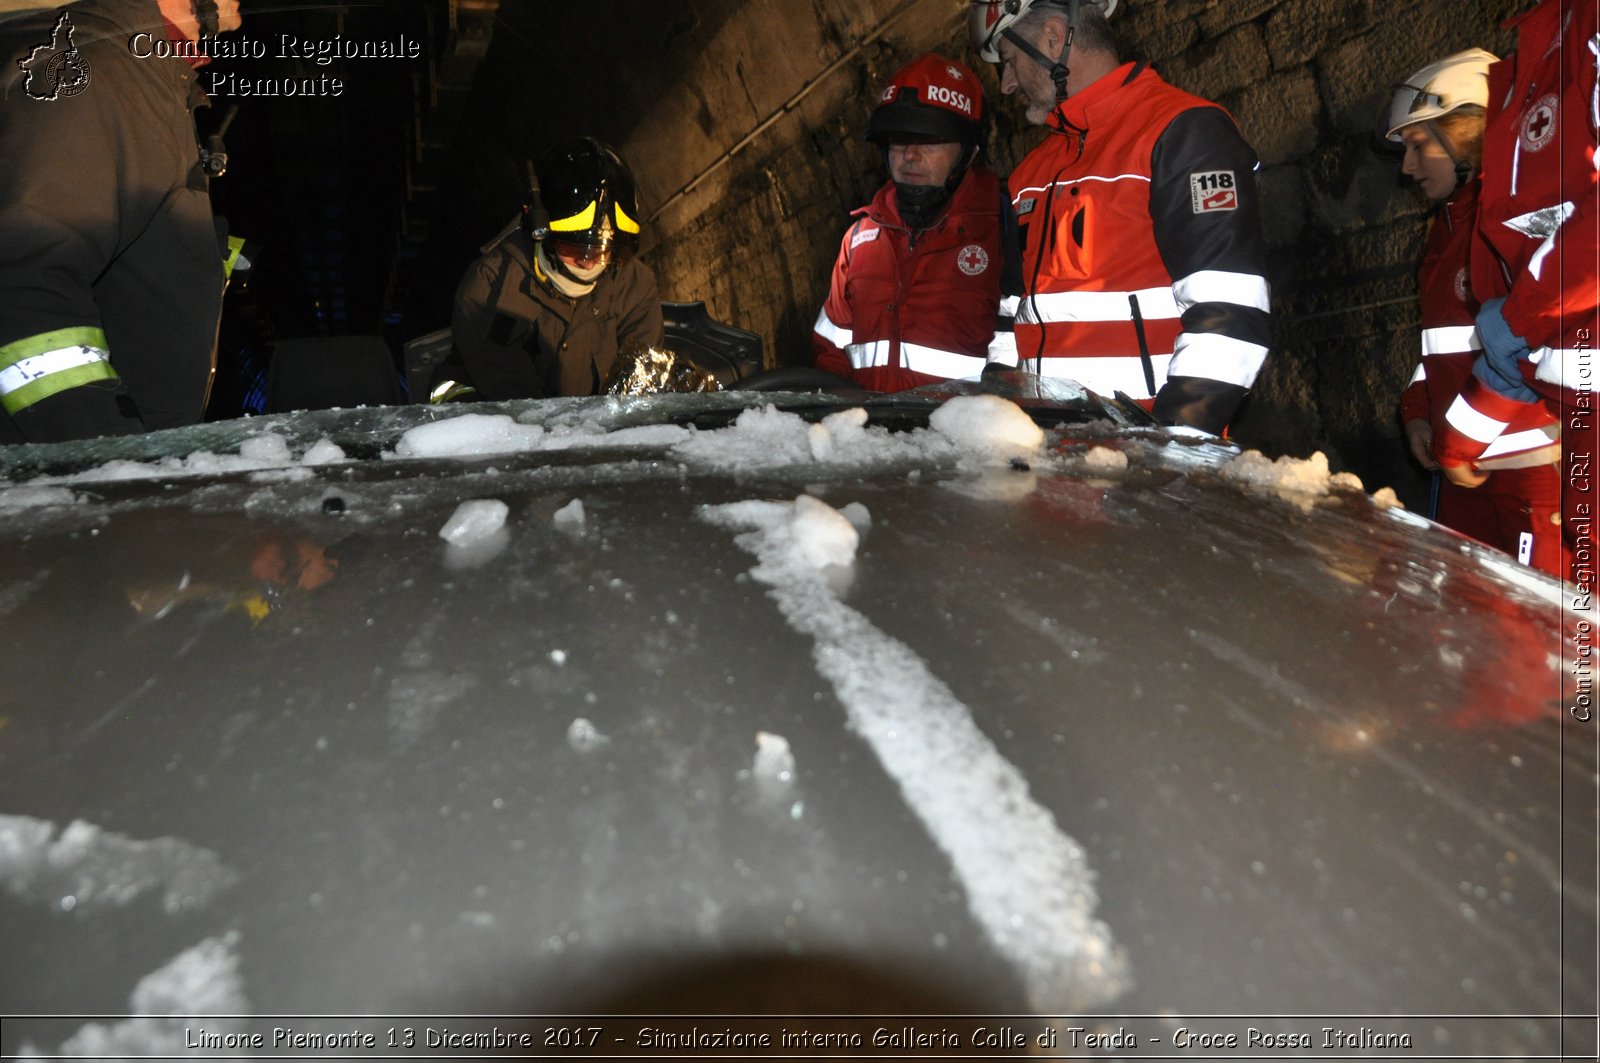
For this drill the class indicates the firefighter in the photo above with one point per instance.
(558, 296)
(1539, 216)
(916, 288)
(110, 274)
(1437, 115)
(1143, 264)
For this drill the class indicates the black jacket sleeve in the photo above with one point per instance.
(1205, 210)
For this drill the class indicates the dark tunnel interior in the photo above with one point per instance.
(370, 196)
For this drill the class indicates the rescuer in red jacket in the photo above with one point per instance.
(916, 288)
(1143, 264)
(1438, 116)
(1539, 216)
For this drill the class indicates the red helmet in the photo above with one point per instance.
(930, 97)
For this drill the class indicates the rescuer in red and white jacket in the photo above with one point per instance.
(1143, 264)
(916, 288)
(1539, 215)
(1438, 116)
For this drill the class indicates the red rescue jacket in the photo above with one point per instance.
(903, 312)
(1541, 200)
(1450, 338)
(1540, 219)
(1141, 222)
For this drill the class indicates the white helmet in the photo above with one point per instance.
(1453, 82)
(988, 20)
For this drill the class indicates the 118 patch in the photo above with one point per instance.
(1213, 190)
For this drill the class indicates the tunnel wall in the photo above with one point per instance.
(790, 84)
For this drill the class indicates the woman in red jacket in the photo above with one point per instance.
(1438, 116)
(915, 294)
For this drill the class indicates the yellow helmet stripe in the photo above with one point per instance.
(625, 223)
(577, 223)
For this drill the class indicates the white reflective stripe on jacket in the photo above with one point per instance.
(35, 368)
(1574, 369)
(1220, 286)
(1473, 423)
(1450, 339)
(919, 359)
(1216, 357)
(1528, 439)
(834, 334)
(1047, 307)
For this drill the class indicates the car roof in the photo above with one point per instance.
(1125, 723)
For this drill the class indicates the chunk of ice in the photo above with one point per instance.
(583, 736)
(570, 517)
(774, 761)
(323, 452)
(200, 981)
(469, 435)
(474, 521)
(99, 869)
(858, 516)
(822, 535)
(271, 448)
(1104, 459)
(989, 426)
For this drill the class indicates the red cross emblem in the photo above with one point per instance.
(1539, 123)
(972, 260)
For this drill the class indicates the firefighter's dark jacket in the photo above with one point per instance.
(110, 273)
(519, 339)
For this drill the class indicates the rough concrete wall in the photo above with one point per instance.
(756, 236)
(1306, 79)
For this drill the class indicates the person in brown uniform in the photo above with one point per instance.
(558, 297)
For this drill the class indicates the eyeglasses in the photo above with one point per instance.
(582, 256)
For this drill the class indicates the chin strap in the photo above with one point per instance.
(1463, 169)
(1056, 68)
(550, 272)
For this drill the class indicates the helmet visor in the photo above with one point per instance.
(586, 254)
(592, 248)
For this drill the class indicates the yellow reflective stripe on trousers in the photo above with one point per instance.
(37, 367)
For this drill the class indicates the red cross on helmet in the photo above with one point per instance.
(988, 20)
(930, 97)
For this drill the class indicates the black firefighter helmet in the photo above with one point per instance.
(581, 205)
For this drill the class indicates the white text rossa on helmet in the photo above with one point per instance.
(1456, 81)
(988, 20)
